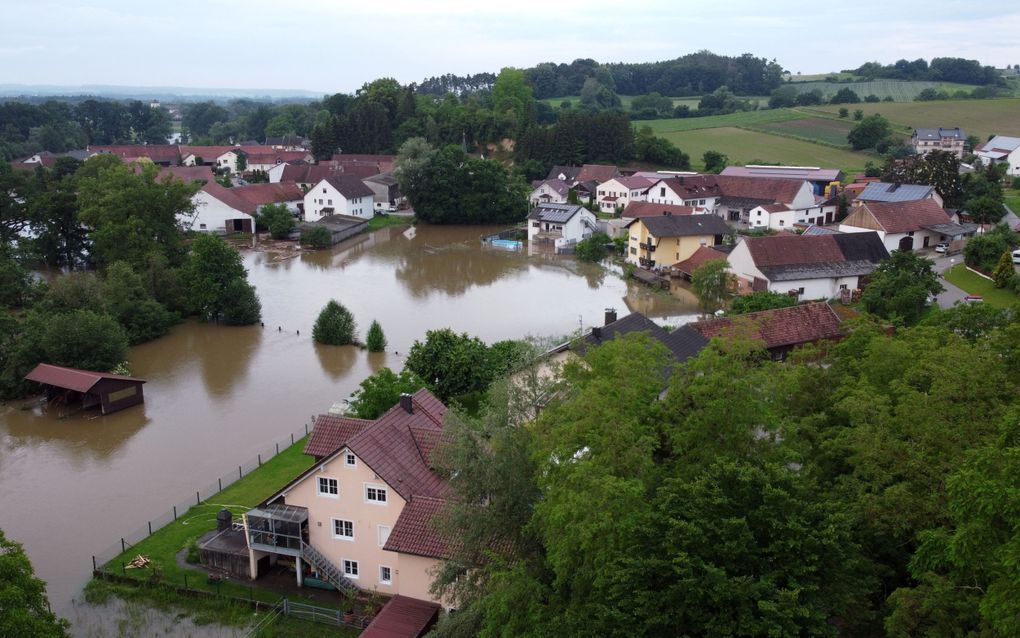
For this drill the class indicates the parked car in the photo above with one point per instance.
(942, 248)
(973, 299)
(1016, 256)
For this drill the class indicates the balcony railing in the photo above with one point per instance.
(649, 247)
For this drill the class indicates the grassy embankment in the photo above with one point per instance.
(382, 221)
(974, 284)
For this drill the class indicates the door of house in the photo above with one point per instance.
(926, 238)
(238, 225)
(907, 243)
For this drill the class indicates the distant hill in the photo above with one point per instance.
(178, 93)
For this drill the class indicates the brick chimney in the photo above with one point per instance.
(405, 403)
(610, 316)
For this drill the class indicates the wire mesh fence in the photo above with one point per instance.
(182, 508)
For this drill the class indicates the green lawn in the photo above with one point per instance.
(974, 284)
(164, 544)
(382, 221)
(745, 118)
(822, 129)
(1013, 200)
(976, 117)
(745, 147)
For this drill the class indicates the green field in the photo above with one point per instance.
(820, 77)
(745, 118)
(898, 90)
(822, 129)
(742, 146)
(625, 100)
(976, 117)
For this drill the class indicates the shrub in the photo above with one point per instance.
(335, 325)
(376, 340)
(1004, 273)
(381, 391)
(317, 237)
(762, 300)
(592, 249)
(844, 112)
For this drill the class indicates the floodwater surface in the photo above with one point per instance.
(215, 396)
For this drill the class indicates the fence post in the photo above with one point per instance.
(123, 547)
(220, 481)
(94, 568)
(175, 512)
(260, 460)
(292, 438)
(239, 475)
(277, 448)
(306, 429)
(198, 500)
(150, 528)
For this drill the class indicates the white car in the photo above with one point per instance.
(942, 248)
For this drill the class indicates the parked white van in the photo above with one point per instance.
(1016, 256)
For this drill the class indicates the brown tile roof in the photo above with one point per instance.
(701, 256)
(185, 173)
(597, 173)
(778, 327)
(775, 208)
(777, 190)
(789, 257)
(306, 173)
(413, 532)
(277, 157)
(256, 195)
(331, 433)
(903, 217)
(648, 209)
(155, 152)
(403, 617)
(227, 196)
(635, 183)
(785, 250)
(72, 378)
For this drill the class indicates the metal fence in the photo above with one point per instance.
(310, 613)
(180, 509)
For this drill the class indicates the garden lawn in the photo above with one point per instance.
(1012, 199)
(239, 497)
(974, 284)
(747, 147)
(382, 221)
(976, 117)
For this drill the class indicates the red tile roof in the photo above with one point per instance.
(648, 209)
(597, 173)
(784, 250)
(155, 152)
(413, 532)
(778, 327)
(700, 257)
(331, 433)
(782, 191)
(227, 196)
(903, 217)
(185, 173)
(277, 157)
(260, 194)
(635, 183)
(403, 617)
(72, 378)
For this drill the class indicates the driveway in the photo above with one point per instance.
(951, 295)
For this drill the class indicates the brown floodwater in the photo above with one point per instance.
(216, 396)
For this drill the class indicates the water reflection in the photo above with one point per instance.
(81, 436)
(336, 361)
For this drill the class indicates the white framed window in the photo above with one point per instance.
(350, 460)
(384, 534)
(375, 494)
(350, 568)
(385, 575)
(343, 529)
(328, 487)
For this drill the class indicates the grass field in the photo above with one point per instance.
(745, 118)
(973, 284)
(625, 100)
(746, 147)
(1012, 198)
(898, 90)
(976, 117)
(823, 129)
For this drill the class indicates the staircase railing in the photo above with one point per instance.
(329, 571)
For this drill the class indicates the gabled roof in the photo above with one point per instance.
(276, 157)
(792, 257)
(779, 327)
(569, 172)
(155, 152)
(255, 195)
(331, 433)
(386, 179)
(886, 192)
(306, 173)
(413, 532)
(770, 189)
(555, 213)
(227, 196)
(682, 346)
(559, 186)
(635, 210)
(634, 183)
(683, 225)
(597, 173)
(901, 217)
(186, 173)
(1001, 144)
(812, 173)
(348, 185)
(699, 257)
(72, 378)
(775, 208)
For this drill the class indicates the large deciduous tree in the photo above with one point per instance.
(900, 287)
(24, 609)
(217, 283)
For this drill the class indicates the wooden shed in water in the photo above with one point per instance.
(110, 392)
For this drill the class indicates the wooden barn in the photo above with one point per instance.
(110, 392)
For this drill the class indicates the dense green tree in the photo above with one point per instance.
(129, 215)
(936, 168)
(900, 287)
(335, 325)
(14, 211)
(199, 117)
(869, 132)
(451, 364)
(59, 237)
(127, 300)
(317, 237)
(24, 609)
(714, 285)
(217, 283)
(714, 161)
(1004, 274)
(761, 300)
(15, 280)
(845, 96)
(512, 102)
(84, 339)
(593, 248)
(983, 251)
(278, 220)
(375, 340)
(381, 391)
(659, 150)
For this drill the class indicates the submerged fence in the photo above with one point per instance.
(179, 510)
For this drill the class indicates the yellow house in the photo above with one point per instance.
(360, 517)
(663, 240)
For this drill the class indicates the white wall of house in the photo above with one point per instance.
(892, 240)
(661, 193)
(743, 266)
(573, 230)
(1012, 162)
(784, 220)
(545, 194)
(211, 215)
(325, 195)
(623, 195)
(276, 173)
(227, 160)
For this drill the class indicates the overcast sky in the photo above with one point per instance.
(336, 45)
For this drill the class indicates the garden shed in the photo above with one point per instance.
(109, 392)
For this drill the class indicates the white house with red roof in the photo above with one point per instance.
(218, 210)
(906, 225)
(339, 194)
(550, 191)
(617, 192)
(361, 515)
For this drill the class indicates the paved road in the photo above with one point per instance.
(951, 295)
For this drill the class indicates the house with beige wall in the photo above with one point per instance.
(660, 241)
(360, 516)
